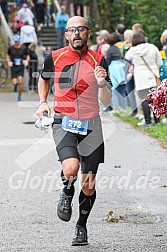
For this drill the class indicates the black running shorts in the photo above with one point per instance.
(88, 149)
(17, 71)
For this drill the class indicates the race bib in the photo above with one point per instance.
(74, 125)
(17, 61)
(40, 1)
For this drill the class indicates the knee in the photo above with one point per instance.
(19, 82)
(87, 191)
(14, 82)
(88, 187)
(70, 168)
(69, 172)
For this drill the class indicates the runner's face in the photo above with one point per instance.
(77, 34)
(17, 43)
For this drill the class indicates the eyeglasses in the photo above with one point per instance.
(80, 29)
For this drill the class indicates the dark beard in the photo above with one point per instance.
(79, 47)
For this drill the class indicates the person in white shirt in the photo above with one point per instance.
(147, 61)
(25, 14)
(28, 34)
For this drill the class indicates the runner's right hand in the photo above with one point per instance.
(43, 107)
(10, 64)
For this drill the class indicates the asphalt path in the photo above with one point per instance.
(130, 213)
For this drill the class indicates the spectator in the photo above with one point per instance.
(60, 25)
(46, 54)
(137, 27)
(163, 38)
(19, 3)
(40, 10)
(40, 51)
(128, 34)
(146, 60)
(25, 14)
(120, 28)
(113, 53)
(163, 52)
(48, 51)
(33, 67)
(104, 50)
(103, 36)
(117, 73)
(95, 46)
(16, 24)
(130, 85)
(27, 34)
(49, 12)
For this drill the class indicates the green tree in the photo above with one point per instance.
(152, 14)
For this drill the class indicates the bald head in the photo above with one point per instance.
(77, 33)
(77, 21)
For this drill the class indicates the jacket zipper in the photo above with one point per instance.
(77, 101)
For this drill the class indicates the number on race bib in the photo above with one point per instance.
(75, 126)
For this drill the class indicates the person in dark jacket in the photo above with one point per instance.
(40, 7)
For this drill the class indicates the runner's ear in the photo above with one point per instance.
(66, 36)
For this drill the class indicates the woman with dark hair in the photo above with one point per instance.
(113, 53)
(147, 61)
(138, 38)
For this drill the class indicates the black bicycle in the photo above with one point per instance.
(3, 74)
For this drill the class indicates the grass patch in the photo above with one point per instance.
(158, 131)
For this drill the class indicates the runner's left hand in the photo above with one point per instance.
(25, 63)
(100, 74)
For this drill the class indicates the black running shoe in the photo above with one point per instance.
(81, 238)
(64, 209)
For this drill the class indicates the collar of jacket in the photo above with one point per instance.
(73, 52)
